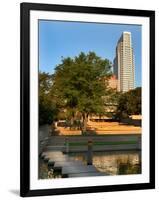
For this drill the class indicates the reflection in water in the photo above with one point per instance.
(114, 163)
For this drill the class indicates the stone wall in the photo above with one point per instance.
(44, 133)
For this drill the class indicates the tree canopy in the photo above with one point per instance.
(79, 85)
(129, 103)
(47, 106)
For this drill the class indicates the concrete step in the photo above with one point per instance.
(59, 165)
(55, 148)
(52, 161)
(78, 169)
(87, 174)
(52, 153)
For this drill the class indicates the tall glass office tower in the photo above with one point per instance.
(124, 63)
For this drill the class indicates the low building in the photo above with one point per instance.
(113, 82)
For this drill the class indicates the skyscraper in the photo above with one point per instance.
(124, 63)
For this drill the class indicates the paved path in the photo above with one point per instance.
(60, 164)
(78, 169)
(69, 167)
(86, 174)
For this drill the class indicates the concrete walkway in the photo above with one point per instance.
(68, 166)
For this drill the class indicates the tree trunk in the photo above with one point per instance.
(72, 121)
(85, 119)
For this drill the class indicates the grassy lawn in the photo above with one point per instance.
(102, 143)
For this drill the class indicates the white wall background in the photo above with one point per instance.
(10, 103)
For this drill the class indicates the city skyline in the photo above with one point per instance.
(63, 39)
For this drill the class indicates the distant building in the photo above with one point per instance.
(113, 82)
(124, 63)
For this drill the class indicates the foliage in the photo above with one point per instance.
(129, 103)
(47, 107)
(79, 86)
(111, 100)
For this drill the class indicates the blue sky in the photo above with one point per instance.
(62, 39)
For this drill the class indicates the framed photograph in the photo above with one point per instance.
(87, 99)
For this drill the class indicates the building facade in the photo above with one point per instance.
(113, 82)
(124, 68)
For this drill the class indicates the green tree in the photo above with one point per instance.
(111, 102)
(129, 103)
(47, 106)
(79, 85)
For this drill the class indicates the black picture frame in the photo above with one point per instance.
(25, 9)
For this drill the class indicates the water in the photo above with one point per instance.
(115, 162)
